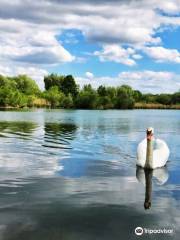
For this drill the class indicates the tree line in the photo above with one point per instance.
(63, 92)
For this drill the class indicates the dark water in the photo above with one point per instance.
(71, 175)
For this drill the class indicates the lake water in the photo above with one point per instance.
(71, 175)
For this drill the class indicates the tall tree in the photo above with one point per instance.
(125, 98)
(68, 85)
(53, 80)
(26, 85)
(87, 98)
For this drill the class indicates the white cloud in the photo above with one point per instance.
(89, 75)
(133, 22)
(51, 55)
(152, 81)
(33, 46)
(145, 81)
(117, 54)
(137, 56)
(29, 29)
(161, 54)
(170, 6)
(35, 73)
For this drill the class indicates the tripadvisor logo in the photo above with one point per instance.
(139, 231)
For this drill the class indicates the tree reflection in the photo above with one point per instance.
(17, 127)
(57, 129)
(59, 135)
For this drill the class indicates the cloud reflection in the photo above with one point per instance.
(23, 152)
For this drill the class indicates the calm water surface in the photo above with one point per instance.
(72, 175)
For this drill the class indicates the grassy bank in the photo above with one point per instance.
(156, 106)
(42, 103)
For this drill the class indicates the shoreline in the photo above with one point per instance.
(147, 106)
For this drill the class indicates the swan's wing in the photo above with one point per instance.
(160, 153)
(141, 153)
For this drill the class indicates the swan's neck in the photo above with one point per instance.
(149, 154)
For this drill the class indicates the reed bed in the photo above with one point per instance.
(156, 106)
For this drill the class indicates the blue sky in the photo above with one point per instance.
(115, 42)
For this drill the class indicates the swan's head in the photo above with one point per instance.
(150, 133)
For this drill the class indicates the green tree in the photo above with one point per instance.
(53, 80)
(149, 98)
(87, 98)
(163, 98)
(67, 101)
(105, 102)
(102, 91)
(3, 81)
(12, 97)
(111, 92)
(68, 85)
(26, 85)
(137, 95)
(53, 96)
(124, 98)
(175, 98)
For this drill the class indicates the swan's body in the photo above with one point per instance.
(159, 153)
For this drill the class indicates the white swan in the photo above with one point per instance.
(152, 153)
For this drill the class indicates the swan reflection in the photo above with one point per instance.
(145, 176)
